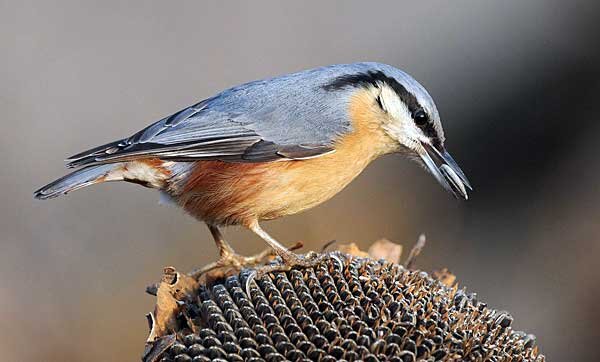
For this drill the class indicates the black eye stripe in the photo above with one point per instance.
(378, 99)
(375, 78)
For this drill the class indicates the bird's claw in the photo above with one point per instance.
(235, 262)
(290, 261)
(230, 261)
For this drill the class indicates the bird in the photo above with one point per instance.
(274, 147)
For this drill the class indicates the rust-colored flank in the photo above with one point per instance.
(238, 193)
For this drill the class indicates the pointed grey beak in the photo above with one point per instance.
(443, 167)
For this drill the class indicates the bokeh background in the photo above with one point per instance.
(517, 84)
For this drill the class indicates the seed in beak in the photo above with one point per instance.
(455, 181)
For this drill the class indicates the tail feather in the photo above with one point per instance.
(81, 178)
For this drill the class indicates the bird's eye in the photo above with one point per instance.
(420, 117)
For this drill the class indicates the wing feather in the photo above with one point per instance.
(289, 117)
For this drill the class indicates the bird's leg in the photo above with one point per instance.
(225, 250)
(228, 258)
(289, 258)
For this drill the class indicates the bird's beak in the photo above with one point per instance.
(443, 167)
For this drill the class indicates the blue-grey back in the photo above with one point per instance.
(286, 111)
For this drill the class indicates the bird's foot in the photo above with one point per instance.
(235, 262)
(230, 261)
(290, 261)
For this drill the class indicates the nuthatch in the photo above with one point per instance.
(274, 147)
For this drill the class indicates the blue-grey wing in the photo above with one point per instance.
(287, 117)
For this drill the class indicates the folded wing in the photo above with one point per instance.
(255, 122)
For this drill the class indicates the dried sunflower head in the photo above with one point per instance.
(345, 308)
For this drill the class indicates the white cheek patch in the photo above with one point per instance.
(399, 125)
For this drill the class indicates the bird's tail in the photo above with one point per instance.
(81, 178)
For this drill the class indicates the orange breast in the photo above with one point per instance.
(239, 193)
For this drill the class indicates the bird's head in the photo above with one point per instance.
(408, 116)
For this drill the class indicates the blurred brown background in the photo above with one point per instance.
(517, 85)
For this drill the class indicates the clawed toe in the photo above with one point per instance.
(230, 261)
(289, 261)
(235, 262)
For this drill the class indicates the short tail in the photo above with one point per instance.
(81, 178)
